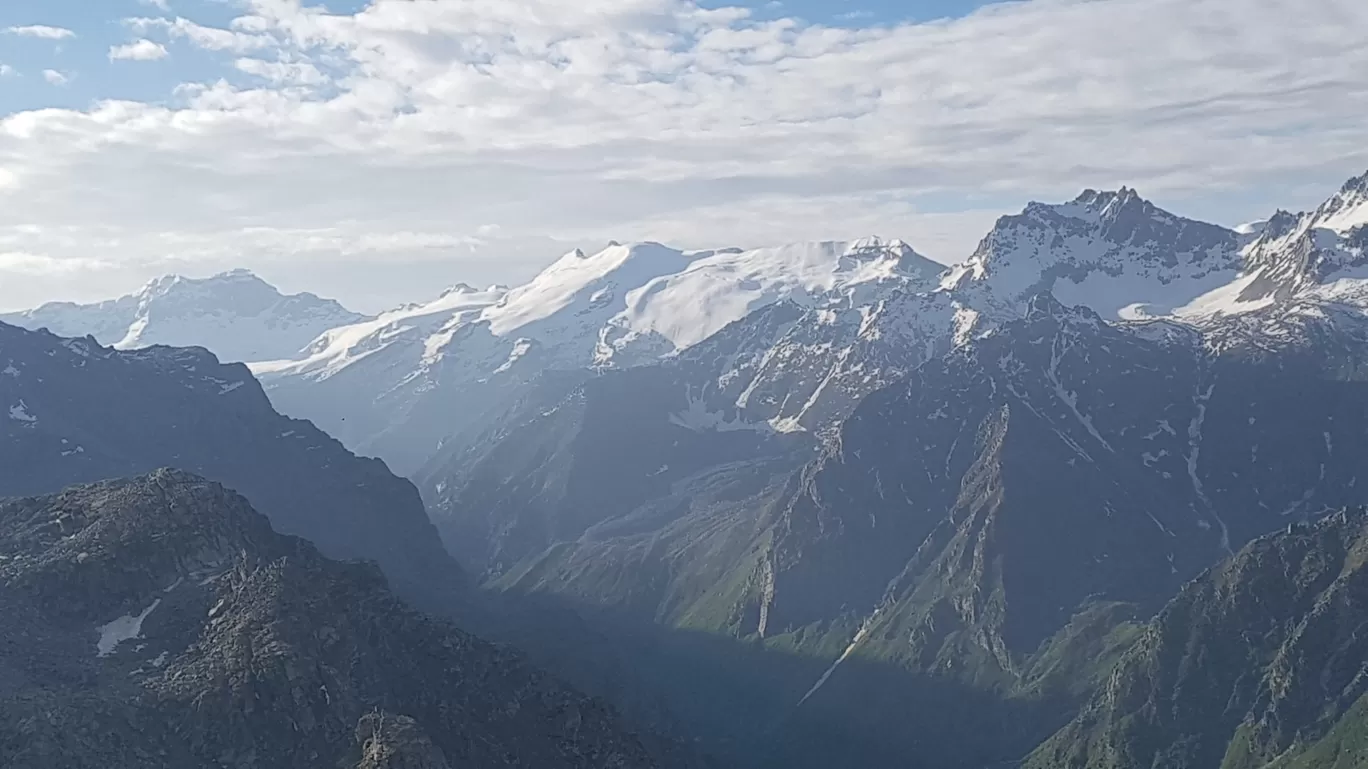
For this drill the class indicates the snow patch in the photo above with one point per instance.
(125, 628)
(19, 413)
(699, 419)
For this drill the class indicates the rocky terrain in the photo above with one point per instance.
(73, 411)
(160, 622)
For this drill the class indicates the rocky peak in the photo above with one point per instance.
(1112, 251)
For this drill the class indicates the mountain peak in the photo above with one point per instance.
(1347, 210)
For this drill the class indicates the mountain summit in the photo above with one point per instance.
(1115, 252)
(236, 315)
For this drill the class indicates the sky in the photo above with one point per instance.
(379, 150)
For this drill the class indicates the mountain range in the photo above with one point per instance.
(824, 504)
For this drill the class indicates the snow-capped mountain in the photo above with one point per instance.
(1312, 251)
(400, 385)
(1113, 252)
(236, 315)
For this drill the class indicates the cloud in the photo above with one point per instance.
(161, 5)
(411, 126)
(56, 78)
(41, 31)
(208, 38)
(7, 71)
(142, 50)
(39, 265)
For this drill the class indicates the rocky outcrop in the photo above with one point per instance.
(160, 623)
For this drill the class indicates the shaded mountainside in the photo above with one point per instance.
(984, 532)
(953, 492)
(160, 622)
(1262, 662)
(578, 457)
(72, 412)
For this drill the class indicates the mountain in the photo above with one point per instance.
(73, 411)
(401, 386)
(925, 534)
(159, 622)
(236, 315)
(1258, 663)
(1114, 252)
(578, 450)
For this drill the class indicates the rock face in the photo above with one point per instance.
(1259, 663)
(72, 411)
(237, 315)
(159, 622)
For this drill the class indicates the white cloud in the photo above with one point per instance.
(410, 126)
(56, 78)
(161, 5)
(283, 72)
(6, 70)
(208, 38)
(41, 31)
(142, 50)
(38, 265)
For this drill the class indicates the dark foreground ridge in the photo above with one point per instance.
(160, 623)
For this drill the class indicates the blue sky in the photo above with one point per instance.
(84, 59)
(372, 156)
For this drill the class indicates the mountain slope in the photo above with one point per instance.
(236, 315)
(402, 388)
(237, 646)
(1259, 663)
(72, 411)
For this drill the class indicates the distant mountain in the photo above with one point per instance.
(72, 411)
(159, 623)
(235, 315)
(1113, 252)
(401, 386)
(1259, 663)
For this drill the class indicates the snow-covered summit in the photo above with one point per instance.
(1316, 251)
(236, 315)
(1112, 251)
(722, 287)
(428, 367)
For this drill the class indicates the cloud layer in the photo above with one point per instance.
(461, 137)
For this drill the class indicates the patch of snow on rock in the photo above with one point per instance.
(125, 628)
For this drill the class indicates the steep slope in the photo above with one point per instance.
(400, 389)
(1259, 663)
(72, 411)
(982, 527)
(942, 502)
(570, 462)
(1317, 253)
(1144, 451)
(160, 622)
(236, 315)
(1111, 251)
(577, 450)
